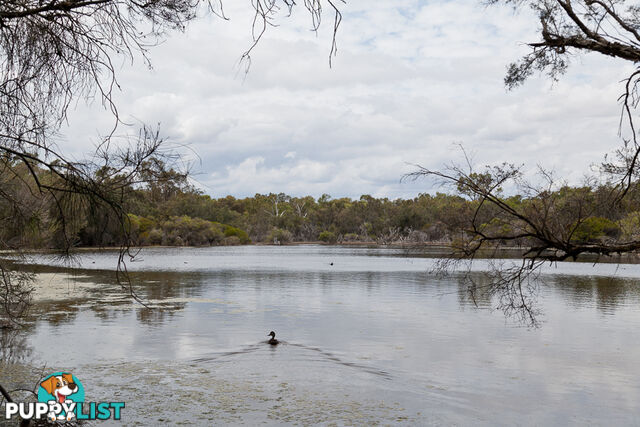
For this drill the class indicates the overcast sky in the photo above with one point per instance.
(411, 80)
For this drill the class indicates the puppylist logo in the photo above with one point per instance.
(61, 398)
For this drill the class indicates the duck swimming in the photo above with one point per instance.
(273, 340)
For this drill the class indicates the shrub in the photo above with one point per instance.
(279, 236)
(214, 234)
(630, 226)
(231, 241)
(133, 226)
(242, 235)
(145, 224)
(351, 237)
(327, 237)
(596, 228)
(172, 239)
(155, 237)
(183, 231)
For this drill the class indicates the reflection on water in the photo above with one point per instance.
(605, 293)
(373, 338)
(14, 348)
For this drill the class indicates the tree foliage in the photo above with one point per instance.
(557, 222)
(173, 212)
(56, 53)
(570, 27)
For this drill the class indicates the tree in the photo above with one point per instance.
(54, 53)
(552, 224)
(607, 27)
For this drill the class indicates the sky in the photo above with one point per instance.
(412, 82)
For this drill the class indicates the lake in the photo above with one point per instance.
(370, 336)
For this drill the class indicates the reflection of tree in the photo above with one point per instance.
(158, 315)
(505, 286)
(606, 293)
(154, 285)
(58, 312)
(550, 221)
(99, 291)
(14, 347)
(610, 292)
(481, 298)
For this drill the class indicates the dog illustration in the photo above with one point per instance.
(60, 387)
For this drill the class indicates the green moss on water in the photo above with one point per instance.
(188, 395)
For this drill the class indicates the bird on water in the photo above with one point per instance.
(273, 340)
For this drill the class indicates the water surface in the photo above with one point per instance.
(375, 338)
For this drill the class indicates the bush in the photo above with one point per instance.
(172, 239)
(145, 224)
(279, 236)
(155, 237)
(594, 229)
(231, 241)
(184, 230)
(214, 234)
(351, 237)
(630, 226)
(242, 235)
(436, 231)
(133, 226)
(327, 237)
(140, 227)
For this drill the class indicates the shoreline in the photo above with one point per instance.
(431, 249)
(432, 245)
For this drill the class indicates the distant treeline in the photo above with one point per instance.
(191, 218)
(172, 212)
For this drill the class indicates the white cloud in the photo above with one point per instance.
(411, 78)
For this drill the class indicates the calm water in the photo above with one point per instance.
(374, 338)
